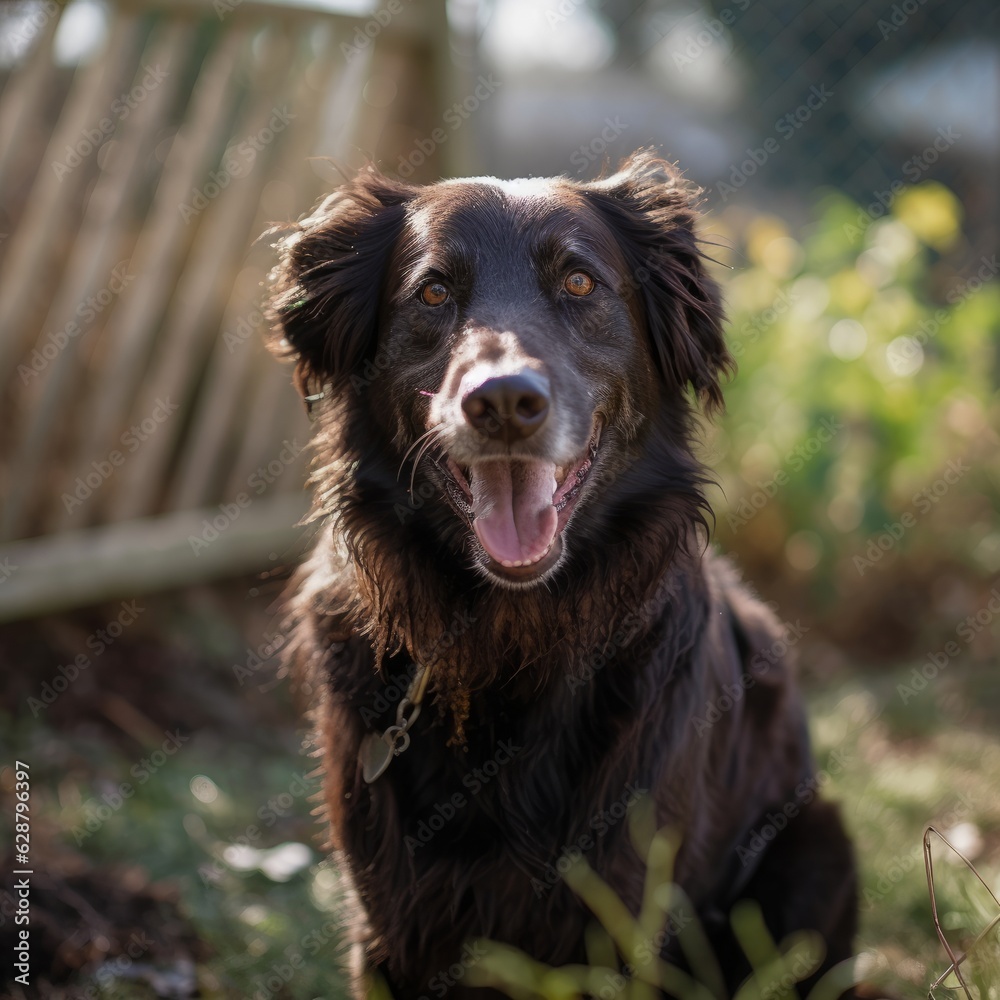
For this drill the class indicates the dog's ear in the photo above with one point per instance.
(326, 289)
(652, 211)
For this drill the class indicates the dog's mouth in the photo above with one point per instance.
(518, 507)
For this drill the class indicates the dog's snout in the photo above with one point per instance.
(509, 407)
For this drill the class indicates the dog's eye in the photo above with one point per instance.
(434, 294)
(579, 283)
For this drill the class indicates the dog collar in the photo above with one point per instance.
(378, 749)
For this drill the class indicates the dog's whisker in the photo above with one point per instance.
(424, 448)
(721, 263)
(416, 444)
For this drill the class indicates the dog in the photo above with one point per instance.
(511, 627)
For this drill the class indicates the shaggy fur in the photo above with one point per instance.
(624, 664)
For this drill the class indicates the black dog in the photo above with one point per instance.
(500, 374)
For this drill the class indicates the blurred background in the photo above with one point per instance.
(152, 454)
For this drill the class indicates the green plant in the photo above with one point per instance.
(860, 431)
(623, 950)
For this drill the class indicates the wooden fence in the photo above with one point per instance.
(139, 406)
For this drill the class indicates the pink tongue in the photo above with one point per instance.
(512, 503)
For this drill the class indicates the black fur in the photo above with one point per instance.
(590, 670)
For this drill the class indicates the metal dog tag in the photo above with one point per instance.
(377, 751)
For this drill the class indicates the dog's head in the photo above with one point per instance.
(515, 339)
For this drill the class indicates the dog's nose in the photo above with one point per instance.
(508, 407)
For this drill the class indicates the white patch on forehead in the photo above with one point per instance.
(531, 195)
(519, 187)
(524, 193)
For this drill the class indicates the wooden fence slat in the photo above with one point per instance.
(92, 258)
(266, 436)
(288, 421)
(231, 376)
(208, 437)
(55, 572)
(266, 427)
(134, 324)
(218, 413)
(34, 242)
(176, 371)
(222, 240)
(23, 97)
(293, 423)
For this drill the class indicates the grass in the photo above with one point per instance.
(219, 833)
(931, 759)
